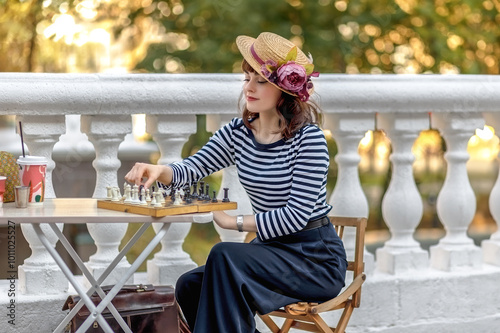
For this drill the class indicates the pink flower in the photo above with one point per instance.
(268, 68)
(291, 77)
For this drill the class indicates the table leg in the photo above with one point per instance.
(69, 275)
(95, 285)
(112, 293)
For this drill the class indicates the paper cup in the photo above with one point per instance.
(3, 180)
(32, 171)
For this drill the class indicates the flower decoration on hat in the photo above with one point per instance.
(290, 75)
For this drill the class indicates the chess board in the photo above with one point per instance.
(168, 209)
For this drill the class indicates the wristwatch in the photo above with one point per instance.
(239, 223)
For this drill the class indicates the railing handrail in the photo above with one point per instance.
(41, 93)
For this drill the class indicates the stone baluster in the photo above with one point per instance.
(231, 181)
(39, 273)
(456, 202)
(402, 206)
(348, 198)
(491, 247)
(106, 133)
(170, 132)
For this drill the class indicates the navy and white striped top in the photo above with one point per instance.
(285, 180)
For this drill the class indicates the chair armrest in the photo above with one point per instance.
(348, 292)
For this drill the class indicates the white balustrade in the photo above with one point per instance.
(231, 181)
(491, 247)
(39, 273)
(456, 203)
(457, 105)
(402, 206)
(170, 132)
(348, 198)
(106, 133)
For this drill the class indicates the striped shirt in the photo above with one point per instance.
(285, 180)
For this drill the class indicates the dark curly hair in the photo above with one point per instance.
(293, 113)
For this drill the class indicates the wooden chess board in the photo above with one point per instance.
(168, 209)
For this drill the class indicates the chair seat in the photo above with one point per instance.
(306, 315)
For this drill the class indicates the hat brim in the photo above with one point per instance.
(244, 44)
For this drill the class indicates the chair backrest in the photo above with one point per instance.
(356, 265)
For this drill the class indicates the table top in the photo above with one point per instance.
(83, 210)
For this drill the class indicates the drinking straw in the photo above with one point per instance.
(22, 141)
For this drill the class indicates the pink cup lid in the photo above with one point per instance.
(32, 160)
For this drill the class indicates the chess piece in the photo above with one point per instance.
(177, 201)
(207, 193)
(201, 194)
(214, 198)
(135, 195)
(127, 194)
(226, 197)
(162, 196)
(143, 197)
(158, 198)
(153, 199)
(116, 194)
(109, 192)
(194, 196)
(148, 197)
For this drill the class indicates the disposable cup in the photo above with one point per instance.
(3, 179)
(32, 171)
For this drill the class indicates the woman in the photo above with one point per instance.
(282, 162)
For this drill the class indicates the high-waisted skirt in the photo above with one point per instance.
(240, 279)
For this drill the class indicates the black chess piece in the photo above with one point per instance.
(207, 192)
(172, 194)
(226, 197)
(194, 195)
(201, 194)
(214, 198)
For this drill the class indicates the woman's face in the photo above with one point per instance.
(260, 95)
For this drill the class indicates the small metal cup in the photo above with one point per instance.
(21, 194)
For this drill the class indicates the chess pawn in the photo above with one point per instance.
(148, 197)
(214, 198)
(109, 192)
(178, 200)
(153, 199)
(143, 197)
(207, 192)
(127, 194)
(158, 198)
(162, 196)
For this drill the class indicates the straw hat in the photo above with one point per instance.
(280, 62)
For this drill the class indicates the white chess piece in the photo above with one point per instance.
(109, 192)
(153, 199)
(158, 199)
(162, 197)
(115, 196)
(177, 201)
(135, 195)
(148, 197)
(127, 194)
(143, 197)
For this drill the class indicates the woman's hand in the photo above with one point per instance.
(146, 174)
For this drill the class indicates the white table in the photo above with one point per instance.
(85, 211)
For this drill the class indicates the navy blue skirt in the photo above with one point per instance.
(239, 279)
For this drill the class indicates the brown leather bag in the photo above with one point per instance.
(145, 309)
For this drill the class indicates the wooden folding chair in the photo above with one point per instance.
(306, 316)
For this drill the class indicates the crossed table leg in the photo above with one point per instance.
(85, 296)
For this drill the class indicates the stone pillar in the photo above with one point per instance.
(231, 181)
(106, 133)
(491, 247)
(402, 206)
(456, 202)
(348, 198)
(170, 132)
(39, 273)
